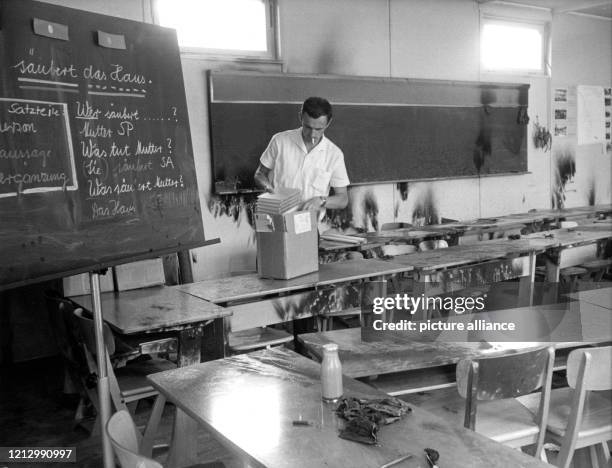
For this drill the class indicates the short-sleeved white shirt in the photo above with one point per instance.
(293, 167)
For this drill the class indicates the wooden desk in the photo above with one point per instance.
(257, 302)
(462, 266)
(248, 403)
(160, 309)
(364, 352)
(600, 297)
(571, 247)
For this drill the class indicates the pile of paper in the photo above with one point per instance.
(279, 202)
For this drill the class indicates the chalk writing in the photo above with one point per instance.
(33, 178)
(51, 69)
(33, 109)
(99, 131)
(35, 152)
(17, 127)
(120, 76)
(112, 208)
(148, 148)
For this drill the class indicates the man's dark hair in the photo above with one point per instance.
(315, 107)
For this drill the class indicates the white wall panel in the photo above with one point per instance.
(434, 39)
(341, 37)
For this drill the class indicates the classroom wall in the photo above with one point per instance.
(581, 55)
(431, 39)
(397, 38)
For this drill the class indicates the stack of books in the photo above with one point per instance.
(282, 201)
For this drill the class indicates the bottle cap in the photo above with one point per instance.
(330, 347)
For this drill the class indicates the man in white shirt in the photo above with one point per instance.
(305, 159)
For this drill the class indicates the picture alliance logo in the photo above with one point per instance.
(412, 304)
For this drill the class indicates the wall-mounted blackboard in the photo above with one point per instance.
(96, 163)
(389, 129)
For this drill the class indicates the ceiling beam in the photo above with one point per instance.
(566, 6)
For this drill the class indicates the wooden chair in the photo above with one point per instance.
(391, 250)
(245, 341)
(485, 398)
(581, 415)
(596, 269)
(128, 384)
(66, 334)
(127, 440)
(432, 244)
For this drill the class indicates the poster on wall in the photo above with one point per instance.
(591, 125)
(564, 112)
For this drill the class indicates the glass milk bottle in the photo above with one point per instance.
(331, 374)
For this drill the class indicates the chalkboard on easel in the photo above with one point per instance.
(389, 129)
(96, 163)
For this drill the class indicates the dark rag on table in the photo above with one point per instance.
(364, 417)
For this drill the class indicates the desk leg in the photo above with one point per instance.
(184, 449)
(551, 284)
(420, 290)
(526, 284)
(370, 289)
(215, 339)
(148, 438)
(189, 346)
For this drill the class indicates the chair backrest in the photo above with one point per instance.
(588, 369)
(88, 333)
(592, 366)
(433, 244)
(392, 250)
(63, 326)
(125, 439)
(508, 376)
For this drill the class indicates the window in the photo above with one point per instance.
(221, 27)
(507, 46)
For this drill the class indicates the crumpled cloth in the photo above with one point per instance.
(364, 417)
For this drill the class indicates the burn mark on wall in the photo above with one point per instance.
(402, 188)
(482, 145)
(565, 170)
(232, 205)
(425, 211)
(370, 210)
(591, 190)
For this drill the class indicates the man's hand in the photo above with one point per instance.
(314, 204)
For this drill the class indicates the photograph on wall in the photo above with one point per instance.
(560, 94)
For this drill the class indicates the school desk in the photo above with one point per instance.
(249, 402)
(411, 356)
(259, 302)
(460, 267)
(161, 309)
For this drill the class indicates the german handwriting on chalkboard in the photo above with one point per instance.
(35, 148)
(116, 73)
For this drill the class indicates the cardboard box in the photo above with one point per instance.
(287, 244)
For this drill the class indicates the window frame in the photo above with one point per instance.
(272, 54)
(542, 26)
